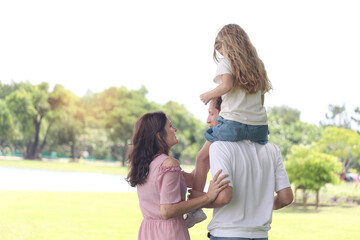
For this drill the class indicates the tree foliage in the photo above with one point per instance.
(34, 119)
(7, 89)
(310, 169)
(342, 143)
(287, 114)
(124, 107)
(337, 116)
(29, 104)
(7, 128)
(68, 119)
(286, 130)
(356, 118)
(190, 131)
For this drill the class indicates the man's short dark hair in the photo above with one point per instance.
(218, 103)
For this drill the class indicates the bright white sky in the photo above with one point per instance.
(311, 49)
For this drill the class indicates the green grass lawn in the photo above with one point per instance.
(82, 166)
(30, 215)
(33, 215)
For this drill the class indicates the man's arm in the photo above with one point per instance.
(222, 199)
(189, 178)
(220, 159)
(283, 198)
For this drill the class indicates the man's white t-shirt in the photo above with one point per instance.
(255, 172)
(238, 105)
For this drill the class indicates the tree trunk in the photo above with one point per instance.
(27, 151)
(317, 199)
(304, 197)
(73, 152)
(33, 151)
(124, 153)
(348, 163)
(296, 188)
(114, 153)
(44, 140)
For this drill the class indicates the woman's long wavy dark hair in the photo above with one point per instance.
(146, 145)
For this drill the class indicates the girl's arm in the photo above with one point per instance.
(178, 209)
(262, 99)
(224, 87)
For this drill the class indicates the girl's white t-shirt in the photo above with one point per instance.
(238, 105)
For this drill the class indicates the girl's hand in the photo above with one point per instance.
(216, 185)
(205, 98)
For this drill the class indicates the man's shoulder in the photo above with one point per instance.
(245, 145)
(227, 147)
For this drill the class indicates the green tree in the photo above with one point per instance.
(287, 114)
(97, 143)
(285, 133)
(342, 143)
(30, 106)
(7, 129)
(310, 169)
(7, 89)
(121, 109)
(93, 108)
(357, 119)
(337, 116)
(69, 120)
(190, 132)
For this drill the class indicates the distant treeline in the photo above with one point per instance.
(35, 120)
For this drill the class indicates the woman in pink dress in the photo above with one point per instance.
(160, 182)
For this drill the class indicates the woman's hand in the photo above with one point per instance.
(216, 185)
(194, 194)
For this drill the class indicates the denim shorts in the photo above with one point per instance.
(232, 131)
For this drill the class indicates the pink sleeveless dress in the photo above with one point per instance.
(164, 185)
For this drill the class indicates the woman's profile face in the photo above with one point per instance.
(170, 137)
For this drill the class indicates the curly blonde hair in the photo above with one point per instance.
(248, 70)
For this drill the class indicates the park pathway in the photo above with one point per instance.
(26, 179)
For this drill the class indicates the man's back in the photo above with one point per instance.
(255, 173)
